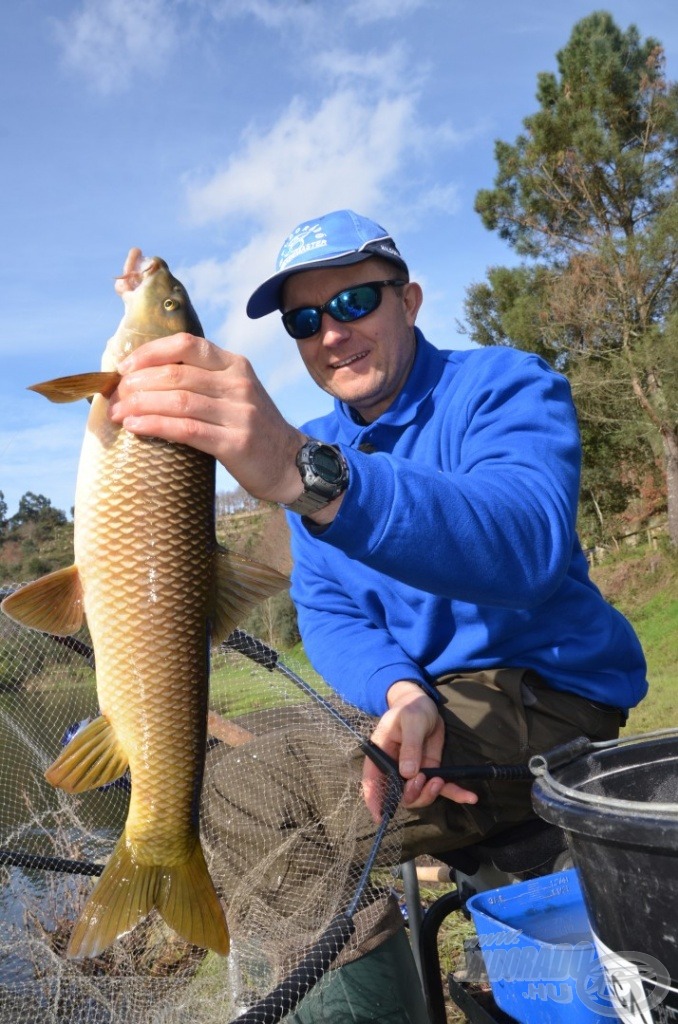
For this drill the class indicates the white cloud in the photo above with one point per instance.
(365, 11)
(108, 41)
(274, 14)
(347, 148)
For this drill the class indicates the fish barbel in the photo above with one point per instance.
(156, 590)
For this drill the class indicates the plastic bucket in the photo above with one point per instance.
(618, 803)
(539, 954)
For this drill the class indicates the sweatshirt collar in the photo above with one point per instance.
(426, 371)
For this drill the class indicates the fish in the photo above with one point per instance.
(156, 591)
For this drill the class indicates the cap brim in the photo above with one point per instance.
(266, 299)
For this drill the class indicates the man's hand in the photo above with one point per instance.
(413, 733)
(187, 390)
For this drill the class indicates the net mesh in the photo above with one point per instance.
(283, 825)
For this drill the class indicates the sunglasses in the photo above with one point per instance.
(346, 306)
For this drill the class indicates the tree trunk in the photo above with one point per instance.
(670, 441)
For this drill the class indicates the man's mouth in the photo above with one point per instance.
(348, 361)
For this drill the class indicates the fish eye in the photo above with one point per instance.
(171, 304)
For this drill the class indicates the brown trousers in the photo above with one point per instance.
(285, 819)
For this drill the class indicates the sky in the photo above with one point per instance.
(204, 131)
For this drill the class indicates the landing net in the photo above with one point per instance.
(286, 835)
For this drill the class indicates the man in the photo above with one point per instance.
(438, 578)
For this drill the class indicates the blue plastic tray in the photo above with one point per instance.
(539, 952)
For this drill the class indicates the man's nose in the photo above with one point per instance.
(333, 332)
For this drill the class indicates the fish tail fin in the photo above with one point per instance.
(128, 890)
(189, 904)
(121, 899)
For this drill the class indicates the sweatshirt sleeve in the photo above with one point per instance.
(348, 646)
(488, 514)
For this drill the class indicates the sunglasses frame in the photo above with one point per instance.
(377, 286)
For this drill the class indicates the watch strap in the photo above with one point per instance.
(308, 502)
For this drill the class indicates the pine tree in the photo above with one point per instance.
(587, 196)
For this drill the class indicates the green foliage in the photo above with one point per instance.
(36, 508)
(274, 621)
(39, 539)
(587, 193)
(596, 155)
(509, 310)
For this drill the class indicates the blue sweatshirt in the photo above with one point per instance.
(455, 545)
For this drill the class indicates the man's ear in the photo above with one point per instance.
(412, 300)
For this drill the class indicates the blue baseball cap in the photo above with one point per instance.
(335, 240)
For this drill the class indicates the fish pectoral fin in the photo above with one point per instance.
(78, 385)
(93, 758)
(189, 904)
(52, 604)
(239, 584)
(128, 890)
(121, 899)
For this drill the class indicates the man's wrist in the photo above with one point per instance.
(323, 473)
(402, 689)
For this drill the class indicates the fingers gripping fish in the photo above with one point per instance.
(155, 589)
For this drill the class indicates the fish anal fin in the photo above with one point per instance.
(189, 904)
(239, 584)
(52, 604)
(77, 386)
(128, 890)
(93, 758)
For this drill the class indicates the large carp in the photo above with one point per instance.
(156, 590)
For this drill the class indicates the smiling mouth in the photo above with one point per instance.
(349, 361)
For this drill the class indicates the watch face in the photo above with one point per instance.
(327, 465)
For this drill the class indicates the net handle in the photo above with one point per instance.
(34, 862)
(298, 983)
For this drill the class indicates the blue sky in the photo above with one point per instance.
(203, 131)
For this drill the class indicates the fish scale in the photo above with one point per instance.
(155, 588)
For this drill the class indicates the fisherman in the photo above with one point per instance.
(438, 578)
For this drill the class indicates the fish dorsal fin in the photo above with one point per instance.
(93, 758)
(52, 604)
(77, 386)
(239, 585)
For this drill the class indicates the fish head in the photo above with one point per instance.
(156, 304)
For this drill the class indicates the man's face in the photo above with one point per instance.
(364, 363)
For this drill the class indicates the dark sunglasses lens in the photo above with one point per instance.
(302, 323)
(354, 303)
(351, 304)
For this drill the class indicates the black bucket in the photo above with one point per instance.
(618, 803)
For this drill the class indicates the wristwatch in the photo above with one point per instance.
(324, 474)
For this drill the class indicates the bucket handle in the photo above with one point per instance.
(541, 766)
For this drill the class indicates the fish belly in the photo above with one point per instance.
(144, 547)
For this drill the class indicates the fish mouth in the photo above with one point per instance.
(136, 268)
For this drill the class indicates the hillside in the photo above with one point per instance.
(644, 586)
(641, 582)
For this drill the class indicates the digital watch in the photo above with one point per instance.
(324, 474)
